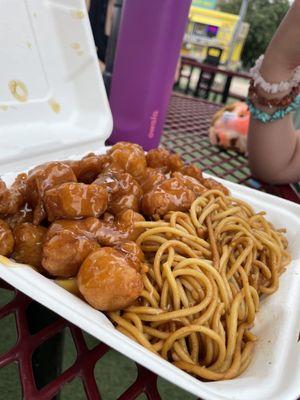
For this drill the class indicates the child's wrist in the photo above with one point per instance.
(274, 72)
(273, 78)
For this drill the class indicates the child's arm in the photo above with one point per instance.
(274, 151)
(274, 148)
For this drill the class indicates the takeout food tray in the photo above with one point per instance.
(274, 372)
(47, 45)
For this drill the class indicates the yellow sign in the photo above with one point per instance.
(210, 4)
(212, 28)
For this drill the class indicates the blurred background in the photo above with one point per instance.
(228, 35)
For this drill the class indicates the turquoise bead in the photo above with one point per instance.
(278, 114)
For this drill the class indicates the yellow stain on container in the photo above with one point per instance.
(19, 90)
(55, 106)
(3, 107)
(77, 14)
(75, 46)
(29, 45)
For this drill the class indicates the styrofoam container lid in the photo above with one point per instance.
(52, 97)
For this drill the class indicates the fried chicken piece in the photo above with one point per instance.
(151, 178)
(86, 227)
(108, 281)
(29, 241)
(12, 199)
(108, 217)
(6, 239)
(110, 231)
(192, 170)
(67, 244)
(43, 178)
(190, 183)
(195, 172)
(210, 183)
(65, 251)
(75, 200)
(124, 191)
(162, 158)
(128, 157)
(171, 195)
(132, 252)
(20, 217)
(119, 230)
(89, 167)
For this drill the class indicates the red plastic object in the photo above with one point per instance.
(82, 368)
(186, 132)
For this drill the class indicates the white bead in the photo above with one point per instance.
(273, 87)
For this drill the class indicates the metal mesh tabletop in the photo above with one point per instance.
(186, 132)
(87, 366)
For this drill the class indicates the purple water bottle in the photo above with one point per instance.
(149, 42)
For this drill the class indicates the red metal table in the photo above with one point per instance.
(186, 133)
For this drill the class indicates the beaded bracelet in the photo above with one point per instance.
(285, 101)
(273, 87)
(279, 114)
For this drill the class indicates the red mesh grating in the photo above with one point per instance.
(83, 367)
(185, 132)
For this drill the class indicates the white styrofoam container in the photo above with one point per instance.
(47, 45)
(274, 373)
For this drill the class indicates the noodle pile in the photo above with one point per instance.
(206, 272)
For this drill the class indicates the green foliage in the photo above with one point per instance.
(264, 16)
